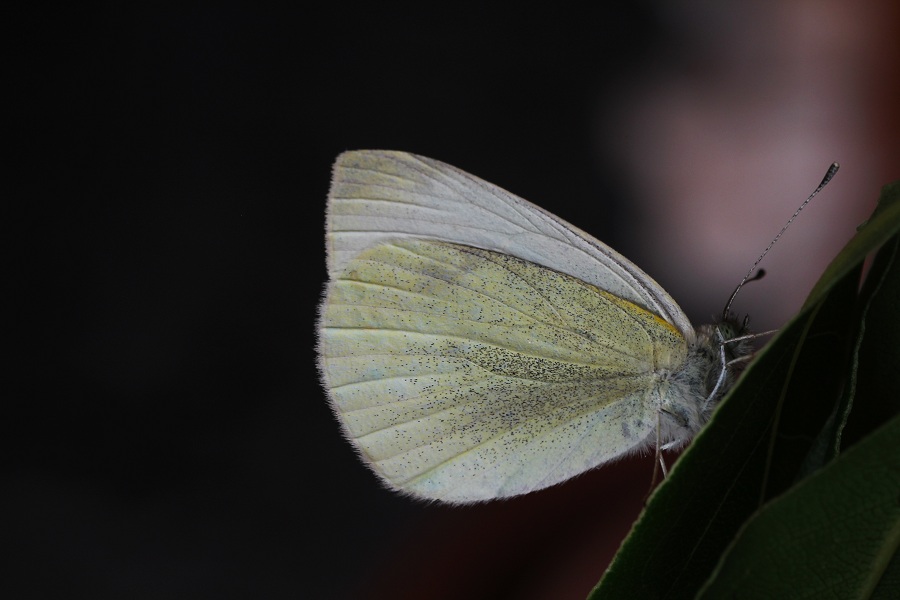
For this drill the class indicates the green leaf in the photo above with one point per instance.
(832, 536)
(873, 394)
(877, 389)
(775, 428)
(875, 351)
(873, 233)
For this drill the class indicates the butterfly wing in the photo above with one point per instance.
(377, 196)
(463, 374)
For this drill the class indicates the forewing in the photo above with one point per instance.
(463, 374)
(377, 196)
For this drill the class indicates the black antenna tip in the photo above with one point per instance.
(832, 170)
(759, 275)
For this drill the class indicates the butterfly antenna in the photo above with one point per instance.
(828, 175)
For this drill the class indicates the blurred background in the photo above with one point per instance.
(167, 435)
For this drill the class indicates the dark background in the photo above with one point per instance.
(166, 432)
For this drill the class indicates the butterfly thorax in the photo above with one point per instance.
(690, 395)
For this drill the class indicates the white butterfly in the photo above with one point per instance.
(475, 346)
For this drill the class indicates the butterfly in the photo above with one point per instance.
(475, 346)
